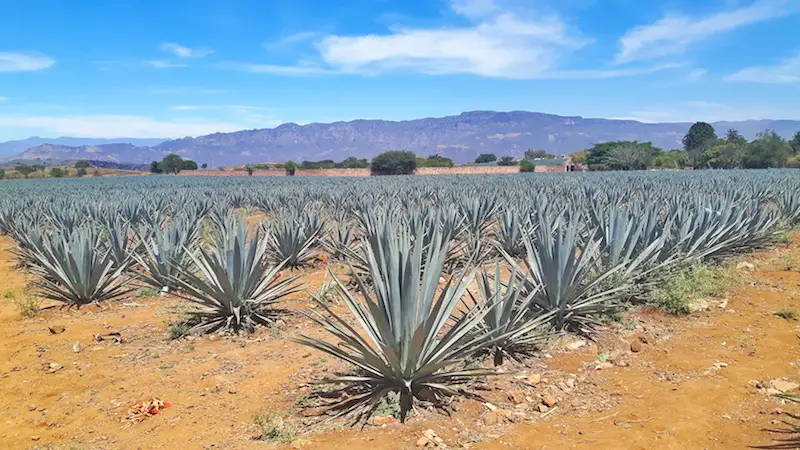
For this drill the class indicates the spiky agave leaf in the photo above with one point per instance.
(74, 269)
(294, 240)
(233, 284)
(165, 251)
(517, 330)
(406, 347)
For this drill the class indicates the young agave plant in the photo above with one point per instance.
(510, 235)
(516, 330)
(74, 269)
(233, 284)
(405, 343)
(560, 276)
(294, 241)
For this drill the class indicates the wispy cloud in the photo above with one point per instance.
(787, 71)
(185, 52)
(674, 34)
(3, 99)
(24, 62)
(113, 126)
(290, 40)
(498, 41)
(164, 64)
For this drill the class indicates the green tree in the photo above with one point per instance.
(727, 154)
(82, 164)
(734, 137)
(507, 161)
(290, 167)
(435, 161)
(579, 157)
(394, 162)
(171, 163)
(673, 159)
(188, 164)
(155, 167)
(632, 156)
(56, 172)
(249, 170)
(81, 172)
(353, 163)
(767, 150)
(2, 174)
(795, 143)
(204, 166)
(532, 154)
(485, 158)
(25, 170)
(526, 166)
(701, 137)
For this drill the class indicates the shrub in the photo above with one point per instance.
(274, 429)
(526, 166)
(395, 162)
(28, 306)
(507, 161)
(81, 172)
(56, 172)
(2, 174)
(679, 293)
(83, 164)
(485, 158)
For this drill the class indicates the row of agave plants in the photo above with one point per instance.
(444, 273)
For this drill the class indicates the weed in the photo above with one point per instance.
(302, 400)
(274, 429)
(318, 362)
(148, 293)
(679, 293)
(9, 293)
(788, 315)
(28, 306)
(389, 406)
(178, 330)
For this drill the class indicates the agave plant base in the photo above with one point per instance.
(358, 402)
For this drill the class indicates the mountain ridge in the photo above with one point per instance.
(461, 137)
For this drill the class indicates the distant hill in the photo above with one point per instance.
(460, 137)
(13, 148)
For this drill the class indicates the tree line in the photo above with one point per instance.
(702, 149)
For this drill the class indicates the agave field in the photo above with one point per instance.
(449, 280)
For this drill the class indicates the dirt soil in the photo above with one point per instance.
(700, 381)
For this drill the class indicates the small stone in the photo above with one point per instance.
(571, 383)
(636, 346)
(76, 347)
(549, 401)
(784, 386)
(442, 280)
(382, 420)
(574, 345)
(534, 379)
(232, 391)
(35, 438)
(53, 367)
(491, 418)
(490, 406)
(603, 365)
(423, 441)
(542, 408)
(776, 411)
(56, 329)
(31, 407)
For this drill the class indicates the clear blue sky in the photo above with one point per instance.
(170, 68)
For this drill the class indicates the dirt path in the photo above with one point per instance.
(692, 385)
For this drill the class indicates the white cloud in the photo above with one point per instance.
(24, 62)
(673, 34)
(276, 69)
(185, 52)
(497, 44)
(164, 64)
(787, 71)
(291, 40)
(189, 90)
(113, 126)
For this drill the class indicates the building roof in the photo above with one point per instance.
(549, 162)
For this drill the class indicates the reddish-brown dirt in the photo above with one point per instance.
(668, 395)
